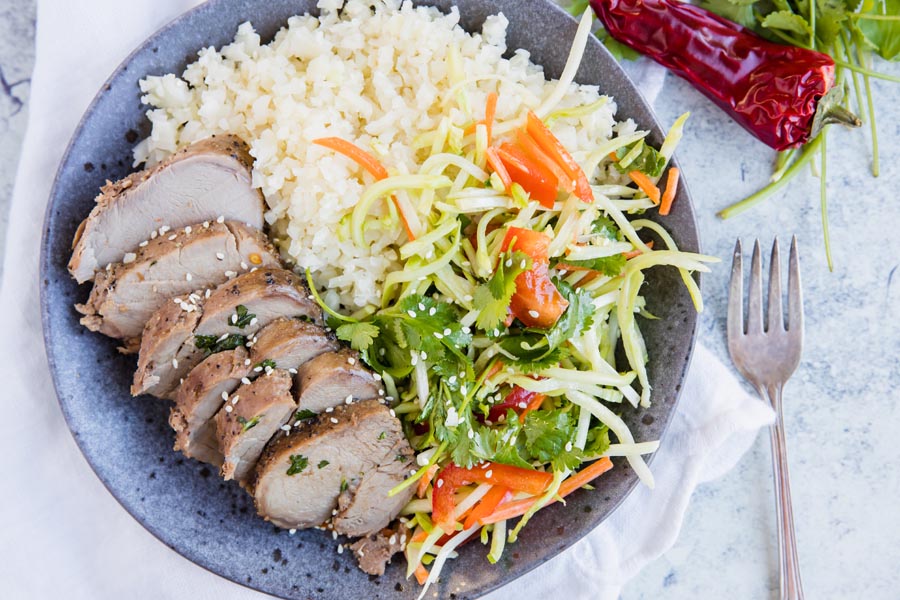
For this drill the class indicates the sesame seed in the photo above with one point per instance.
(188, 276)
(381, 392)
(220, 255)
(340, 548)
(508, 262)
(376, 376)
(154, 235)
(523, 264)
(205, 224)
(172, 237)
(411, 313)
(468, 298)
(247, 362)
(488, 474)
(438, 335)
(329, 409)
(286, 428)
(393, 540)
(221, 219)
(228, 408)
(164, 230)
(533, 314)
(568, 446)
(563, 272)
(423, 355)
(432, 311)
(174, 363)
(421, 306)
(188, 229)
(129, 258)
(349, 399)
(447, 331)
(292, 371)
(292, 531)
(143, 244)
(466, 330)
(253, 321)
(230, 274)
(333, 420)
(244, 266)
(257, 369)
(351, 360)
(523, 405)
(393, 414)
(207, 293)
(440, 483)
(402, 539)
(333, 534)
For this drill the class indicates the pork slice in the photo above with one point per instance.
(375, 551)
(290, 343)
(250, 417)
(265, 295)
(208, 180)
(300, 475)
(237, 309)
(200, 397)
(364, 506)
(331, 378)
(200, 256)
(167, 352)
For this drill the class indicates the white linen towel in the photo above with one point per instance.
(64, 536)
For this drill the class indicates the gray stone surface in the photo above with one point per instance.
(842, 406)
(16, 61)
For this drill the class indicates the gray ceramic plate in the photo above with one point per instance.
(184, 503)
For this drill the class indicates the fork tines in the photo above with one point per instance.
(775, 320)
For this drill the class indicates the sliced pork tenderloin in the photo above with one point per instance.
(167, 352)
(201, 256)
(208, 180)
(231, 314)
(301, 475)
(375, 551)
(249, 419)
(290, 343)
(200, 397)
(332, 378)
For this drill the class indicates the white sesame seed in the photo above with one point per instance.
(143, 244)
(438, 335)
(154, 235)
(333, 534)
(402, 539)
(286, 428)
(164, 230)
(488, 474)
(393, 414)
(220, 255)
(329, 409)
(172, 237)
(568, 446)
(292, 531)
(174, 363)
(207, 293)
(333, 420)
(376, 376)
(253, 321)
(523, 405)
(508, 262)
(230, 274)
(221, 219)
(349, 399)
(351, 360)
(468, 298)
(421, 306)
(188, 229)
(235, 399)
(423, 355)
(224, 395)
(563, 272)
(340, 548)
(257, 369)
(523, 264)
(381, 392)
(228, 408)
(205, 224)
(188, 276)
(466, 330)
(413, 359)
(440, 483)
(533, 314)
(411, 313)
(432, 311)
(292, 371)
(129, 258)
(393, 540)
(244, 266)
(447, 331)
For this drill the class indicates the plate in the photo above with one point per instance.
(185, 504)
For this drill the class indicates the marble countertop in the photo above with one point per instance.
(841, 407)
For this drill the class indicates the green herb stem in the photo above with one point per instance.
(782, 163)
(809, 150)
(823, 199)
(871, 106)
(856, 89)
(867, 17)
(867, 72)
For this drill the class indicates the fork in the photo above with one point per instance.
(767, 356)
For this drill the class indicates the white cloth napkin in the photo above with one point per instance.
(63, 534)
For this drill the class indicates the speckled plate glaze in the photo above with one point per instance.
(184, 503)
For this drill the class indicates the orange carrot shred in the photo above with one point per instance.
(490, 110)
(646, 185)
(669, 195)
(421, 575)
(497, 165)
(425, 480)
(487, 505)
(633, 253)
(510, 510)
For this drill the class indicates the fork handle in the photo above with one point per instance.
(791, 588)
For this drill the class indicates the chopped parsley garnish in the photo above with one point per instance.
(640, 157)
(381, 435)
(610, 266)
(268, 363)
(241, 317)
(214, 344)
(344, 485)
(323, 463)
(298, 463)
(399, 458)
(304, 414)
(248, 424)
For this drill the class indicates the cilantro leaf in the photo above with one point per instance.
(884, 35)
(597, 440)
(492, 298)
(241, 317)
(578, 316)
(266, 363)
(788, 21)
(323, 463)
(649, 161)
(298, 463)
(304, 414)
(360, 335)
(214, 344)
(739, 11)
(548, 437)
(530, 352)
(606, 227)
(610, 266)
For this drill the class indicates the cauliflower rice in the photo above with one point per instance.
(380, 73)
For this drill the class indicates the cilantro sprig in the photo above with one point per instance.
(492, 298)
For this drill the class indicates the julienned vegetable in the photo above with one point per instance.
(497, 339)
(781, 94)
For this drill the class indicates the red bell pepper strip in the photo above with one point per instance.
(537, 180)
(537, 302)
(451, 477)
(534, 151)
(493, 159)
(557, 151)
(487, 505)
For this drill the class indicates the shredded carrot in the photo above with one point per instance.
(511, 510)
(367, 162)
(534, 404)
(669, 195)
(421, 575)
(425, 480)
(646, 185)
(633, 253)
(497, 165)
(490, 110)
(487, 505)
(613, 156)
(355, 153)
(495, 369)
(419, 536)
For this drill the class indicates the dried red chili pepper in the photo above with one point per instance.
(781, 94)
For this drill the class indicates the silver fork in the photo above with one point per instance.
(767, 357)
